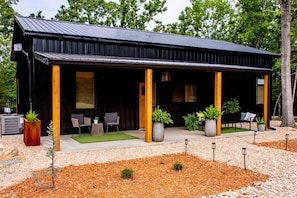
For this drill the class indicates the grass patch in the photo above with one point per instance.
(103, 138)
(233, 130)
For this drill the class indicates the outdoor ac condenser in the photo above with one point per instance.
(11, 123)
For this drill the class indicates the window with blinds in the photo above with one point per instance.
(85, 90)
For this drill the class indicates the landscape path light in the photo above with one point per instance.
(213, 146)
(255, 133)
(244, 153)
(287, 139)
(186, 144)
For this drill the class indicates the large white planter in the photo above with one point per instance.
(158, 131)
(210, 128)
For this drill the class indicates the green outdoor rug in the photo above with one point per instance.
(103, 138)
(233, 130)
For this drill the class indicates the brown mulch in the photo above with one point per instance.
(291, 146)
(152, 177)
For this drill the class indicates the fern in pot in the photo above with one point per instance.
(159, 117)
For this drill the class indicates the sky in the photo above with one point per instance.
(49, 8)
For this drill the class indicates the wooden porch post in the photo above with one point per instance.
(218, 99)
(56, 104)
(148, 104)
(266, 101)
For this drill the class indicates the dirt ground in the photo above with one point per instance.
(152, 177)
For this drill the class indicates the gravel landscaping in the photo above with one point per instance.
(274, 167)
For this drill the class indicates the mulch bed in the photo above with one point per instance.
(152, 177)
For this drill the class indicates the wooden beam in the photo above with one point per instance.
(218, 99)
(148, 105)
(266, 100)
(56, 104)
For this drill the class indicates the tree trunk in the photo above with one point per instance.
(287, 100)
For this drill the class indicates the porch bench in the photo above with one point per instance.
(247, 117)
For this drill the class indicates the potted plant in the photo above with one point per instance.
(159, 117)
(211, 114)
(260, 123)
(230, 108)
(96, 120)
(32, 129)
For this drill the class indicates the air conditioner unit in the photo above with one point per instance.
(11, 123)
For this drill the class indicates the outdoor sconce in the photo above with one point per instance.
(213, 146)
(244, 153)
(166, 77)
(287, 139)
(186, 144)
(255, 133)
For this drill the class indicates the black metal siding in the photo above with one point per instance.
(150, 52)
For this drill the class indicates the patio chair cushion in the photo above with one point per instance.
(79, 116)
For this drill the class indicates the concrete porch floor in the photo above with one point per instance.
(172, 135)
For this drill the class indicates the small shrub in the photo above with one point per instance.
(177, 166)
(126, 173)
(191, 121)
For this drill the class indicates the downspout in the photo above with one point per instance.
(30, 78)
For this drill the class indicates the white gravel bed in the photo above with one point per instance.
(281, 165)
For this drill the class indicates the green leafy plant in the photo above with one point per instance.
(160, 115)
(260, 120)
(126, 173)
(31, 115)
(192, 121)
(177, 166)
(231, 106)
(211, 113)
(96, 118)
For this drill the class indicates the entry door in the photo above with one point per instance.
(142, 103)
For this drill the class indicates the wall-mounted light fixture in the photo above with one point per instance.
(166, 77)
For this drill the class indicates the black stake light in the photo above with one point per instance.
(244, 153)
(213, 146)
(287, 139)
(255, 133)
(186, 144)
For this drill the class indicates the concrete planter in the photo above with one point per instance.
(261, 127)
(158, 131)
(210, 128)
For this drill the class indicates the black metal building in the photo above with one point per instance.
(114, 61)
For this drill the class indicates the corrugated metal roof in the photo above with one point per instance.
(34, 26)
(78, 59)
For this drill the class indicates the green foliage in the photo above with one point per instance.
(134, 14)
(96, 118)
(7, 68)
(211, 113)
(178, 166)
(192, 121)
(205, 19)
(231, 106)
(160, 115)
(260, 120)
(126, 173)
(31, 115)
